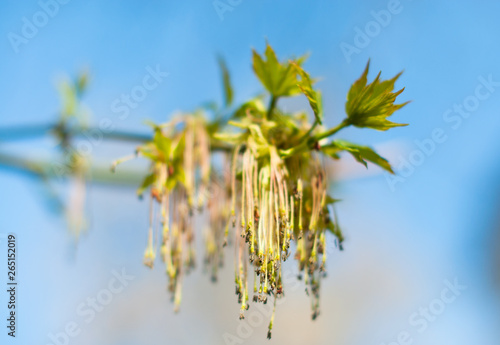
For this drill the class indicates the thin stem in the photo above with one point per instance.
(125, 136)
(17, 164)
(272, 105)
(308, 144)
(332, 131)
(22, 132)
(305, 136)
(46, 168)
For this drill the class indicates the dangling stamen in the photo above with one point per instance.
(149, 255)
(189, 163)
(233, 184)
(299, 196)
(243, 188)
(272, 320)
(124, 159)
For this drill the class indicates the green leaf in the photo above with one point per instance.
(257, 135)
(329, 200)
(82, 82)
(69, 99)
(162, 143)
(256, 140)
(283, 123)
(255, 131)
(226, 81)
(314, 97)
(231, 138)
(280, 79)
(254, 107)
(178, 176)
(361, 153)
(337, 232)
(369, 105)
(333, 152)
(151, 124)
(178, 149)
(148, 150)
(148, 181)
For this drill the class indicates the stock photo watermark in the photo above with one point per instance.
(128, 101)
(223, 6)
(12, 282)
(422, 319)
(88, 309)
(120, 107)
(365, 34)
(454, 117)
(31, 25)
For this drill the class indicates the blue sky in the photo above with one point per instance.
(439, 222)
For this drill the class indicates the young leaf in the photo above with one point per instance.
(179, 176)
(306, 86)
(149, 151)
(230, 138)
(361, 153)
(254, 107)
(162, 143)
(329, 200)
(369, 105)
(151, 124)
(280, 79)
(254, 130)
(69, 99)
(337, 232)
(178, 148)
(82, 82)
(226, 81)
(148, 181)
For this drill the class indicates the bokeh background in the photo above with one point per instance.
(439, 221)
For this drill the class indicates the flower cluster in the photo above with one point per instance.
(178, 183)
(268, 194)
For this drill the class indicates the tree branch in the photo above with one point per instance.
(22, 132)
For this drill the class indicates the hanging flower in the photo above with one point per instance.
(268, 189)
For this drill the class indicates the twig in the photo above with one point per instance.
(44, 168)
(22, 132)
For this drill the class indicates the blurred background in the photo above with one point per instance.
(407, 238)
